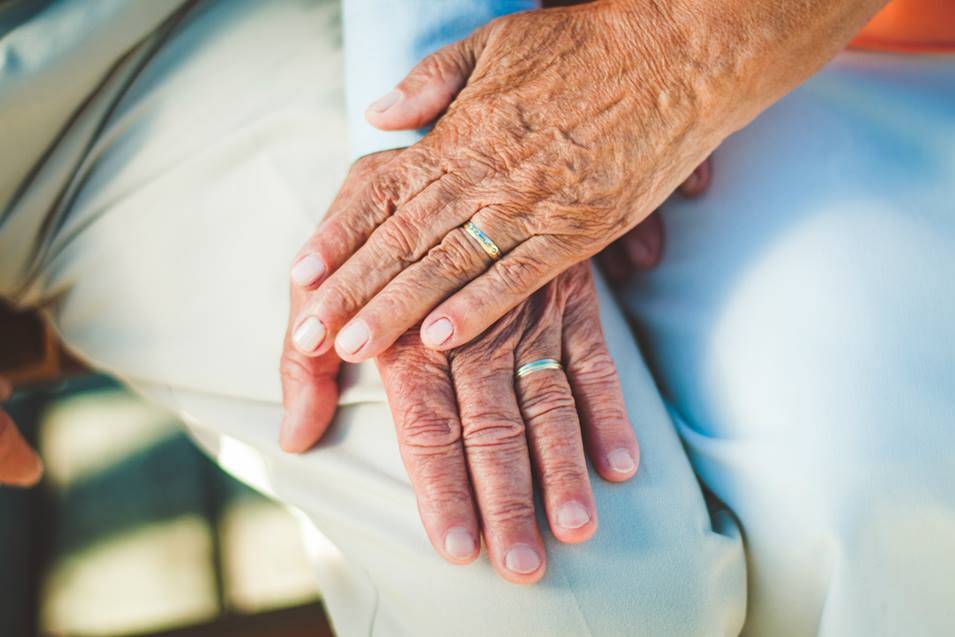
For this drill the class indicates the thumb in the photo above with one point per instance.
(309, 391)
(428, 89)
(19, 464)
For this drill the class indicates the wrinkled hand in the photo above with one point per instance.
(472, 435)
(569, 131)
(19, 465)
(463, 413)
(468, 430)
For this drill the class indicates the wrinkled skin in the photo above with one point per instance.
(563, 129)
(19, 464)
(546, 174)
(462, 412)
(472, 436)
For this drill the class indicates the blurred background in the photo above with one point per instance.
(133, 531)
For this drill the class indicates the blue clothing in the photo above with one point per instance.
(383, 40)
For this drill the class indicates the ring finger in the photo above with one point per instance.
(553, 430)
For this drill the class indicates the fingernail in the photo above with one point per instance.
(438, 332)
(353, 337)
(621, 461)
(382, 104)
(572, 515)
(459, 543)
(308, 269)
(522, 559)
(309, 335)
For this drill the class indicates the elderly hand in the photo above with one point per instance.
(565, 137)
(463, 412)
(468, 430)
(19, 464)
(567, 127)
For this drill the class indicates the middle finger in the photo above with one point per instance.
(496, 449)
(553, 429)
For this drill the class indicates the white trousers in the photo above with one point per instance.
(800, 327)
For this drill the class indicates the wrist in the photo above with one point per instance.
(692, 61)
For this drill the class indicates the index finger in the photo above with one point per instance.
(496, 447)
(354, 216)
(421, 395)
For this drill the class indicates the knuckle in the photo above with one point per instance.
(610, 422)
(425, 431)
(557, 472)
(399, 239)
(493, 431)
(439, 66)
(489, 356)
(550, 402)
(507, 511)
(442, 492)
(331, 231)
(609, 413)
(453, 257)
(382, 193)
(297, 369)
(473, 165)
(598, 369)
(341, 298)
(398, 359)
(517, 273)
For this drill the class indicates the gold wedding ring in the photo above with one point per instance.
(486, 243)
(538, 366)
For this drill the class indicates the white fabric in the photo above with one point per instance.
(171, 270)
(800, 324)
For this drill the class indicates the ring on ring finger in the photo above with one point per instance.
(538, 366)
(487, 244)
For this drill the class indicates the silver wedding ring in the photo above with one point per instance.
(538, 366)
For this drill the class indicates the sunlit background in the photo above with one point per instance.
(135, 532)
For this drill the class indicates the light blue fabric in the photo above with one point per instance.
(384, 39)
(801, 325)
